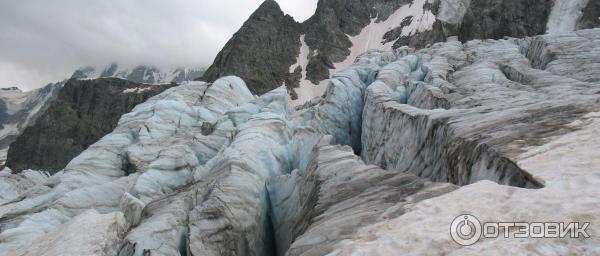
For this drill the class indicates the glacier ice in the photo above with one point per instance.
(90, 233)
(131, 158)
(210, 169)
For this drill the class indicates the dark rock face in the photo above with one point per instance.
(262, 51)
(591, 16)
(83, 112)
(495, 19)
(327, 30)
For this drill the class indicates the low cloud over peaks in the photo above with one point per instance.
(44, 41)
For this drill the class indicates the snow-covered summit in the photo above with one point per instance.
(141, 74)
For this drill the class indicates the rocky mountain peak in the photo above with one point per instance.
(269, 6)
(269, 34)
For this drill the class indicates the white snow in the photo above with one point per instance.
(564, 15)
(150, 75)
(8, 130)
(302, 59)
(307, 89)
(570, 167)
(137, 90)
(371, 37)
(3, 153)
(14, 99)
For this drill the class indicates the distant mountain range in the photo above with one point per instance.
(140, 74)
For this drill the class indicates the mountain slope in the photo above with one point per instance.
(20, 109)
(83, 112)
(268, 34)
(268, 56)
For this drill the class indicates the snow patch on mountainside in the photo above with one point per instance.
(14, 98)
(307, 89)
(371, 36)
(137, 90)
(3, 154)
(302, 60)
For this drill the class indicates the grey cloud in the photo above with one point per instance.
(44, 41)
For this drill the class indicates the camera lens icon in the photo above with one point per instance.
(466, 229)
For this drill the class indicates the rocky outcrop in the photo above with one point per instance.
(591, 16)
(268, 34)
(83, 112)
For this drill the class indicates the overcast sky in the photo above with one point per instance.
(44, 41)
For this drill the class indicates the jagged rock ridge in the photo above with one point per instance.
(270, 42)
(145, 74)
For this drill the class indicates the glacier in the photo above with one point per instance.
(400, 143)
